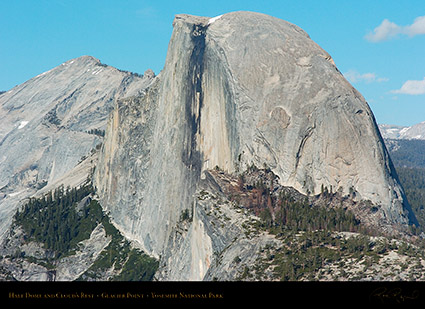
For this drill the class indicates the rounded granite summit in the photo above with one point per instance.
(326, 133)
(239, 89)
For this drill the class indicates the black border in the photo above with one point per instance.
(249, 293)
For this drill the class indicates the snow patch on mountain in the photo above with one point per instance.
(416, 131)
(212, 20)
(22, 124)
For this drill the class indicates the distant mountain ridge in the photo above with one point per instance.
(46, 124)
(416, 131)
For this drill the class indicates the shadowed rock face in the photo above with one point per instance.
(235, 90)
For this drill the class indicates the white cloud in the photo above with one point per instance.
(384, 31)
(417, 28)
(354, 77)
(388, 30)
(412, 87)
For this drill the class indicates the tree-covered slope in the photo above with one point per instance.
(65, 235)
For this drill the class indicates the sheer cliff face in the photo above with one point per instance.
(239, 89)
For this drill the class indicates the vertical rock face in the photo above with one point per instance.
(51, 122)
(152, 160)
(238, 89)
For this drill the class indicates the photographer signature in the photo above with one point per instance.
(394, 294)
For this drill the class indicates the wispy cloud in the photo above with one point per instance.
(412, 87)
(147, 12)
(355, 77)
(388, 30)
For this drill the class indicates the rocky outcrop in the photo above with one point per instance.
(240, 89)
(217, 238)
(29, 261)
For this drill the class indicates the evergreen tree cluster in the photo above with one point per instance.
(413, 182)
(408, 157)
(407, 153)
(306, 217)
(52, 117)
(97, 132)
(132, 263)
(312, 250)
(64, 217)
(304, 256)
(53, 220)
(279, 208)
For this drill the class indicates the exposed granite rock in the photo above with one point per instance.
(28, 261)
(239, 89)
(70, 268)
(216, 241)
(48, 124)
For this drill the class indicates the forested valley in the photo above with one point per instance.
(408, 157)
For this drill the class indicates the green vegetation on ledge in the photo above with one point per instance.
(54, 221)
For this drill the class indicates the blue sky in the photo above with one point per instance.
(378, 45)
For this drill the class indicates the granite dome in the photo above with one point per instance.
(240, 89)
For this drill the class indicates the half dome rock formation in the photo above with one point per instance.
(236, 90)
